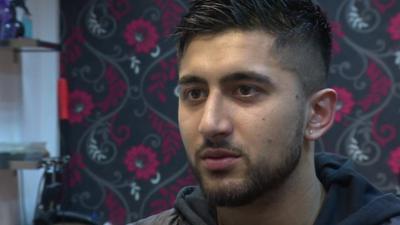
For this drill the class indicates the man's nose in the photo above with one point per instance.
(216, 119)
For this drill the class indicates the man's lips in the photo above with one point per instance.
(219, 158)
(218, 153)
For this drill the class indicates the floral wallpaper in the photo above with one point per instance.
(127, 159)
(365, 73)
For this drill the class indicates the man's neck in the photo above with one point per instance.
(296, 202)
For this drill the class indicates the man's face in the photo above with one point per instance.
(241, 116)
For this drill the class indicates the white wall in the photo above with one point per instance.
(10, 97)
(40, 71)
(10, 130)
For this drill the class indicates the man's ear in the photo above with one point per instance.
(321, 113)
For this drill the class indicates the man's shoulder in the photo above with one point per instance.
(393, 221)
(168, 217)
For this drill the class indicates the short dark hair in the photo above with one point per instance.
(301, 29)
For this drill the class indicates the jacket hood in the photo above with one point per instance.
(193, 206)
(350, 199)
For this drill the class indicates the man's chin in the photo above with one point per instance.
(227, 197)
(219, 182)
(227, 194)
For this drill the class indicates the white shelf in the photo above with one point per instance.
(28, 44)
(22, 155)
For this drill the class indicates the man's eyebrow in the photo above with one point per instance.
(191, 79)
(247, 76)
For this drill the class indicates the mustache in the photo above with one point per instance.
(207, 144)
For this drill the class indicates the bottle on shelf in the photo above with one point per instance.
(13, 15)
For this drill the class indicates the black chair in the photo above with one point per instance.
(49, 208)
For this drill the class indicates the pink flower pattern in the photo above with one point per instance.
(160, 79)
(141, 35)
(80, 106)
(142, 161)
(382, 133)
(117, 88)
(345, 103)
(72, 47)
(171, 15)
(337, 34)
(383, 5)
(394, 27)
(121, 133)
(394, 161)
(336, 49)
(169, 193)
(119, 8)
(337, 29)
(74, 167)
(379, 88)
(171, 139)
(116, 212)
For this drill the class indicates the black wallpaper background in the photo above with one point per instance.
(127, 157)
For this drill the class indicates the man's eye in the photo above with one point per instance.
(246, 90)
(195, 94)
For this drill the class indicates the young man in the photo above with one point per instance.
(252, 103)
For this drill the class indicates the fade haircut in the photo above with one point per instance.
(302, 34)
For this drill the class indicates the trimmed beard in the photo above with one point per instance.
(260, 179)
